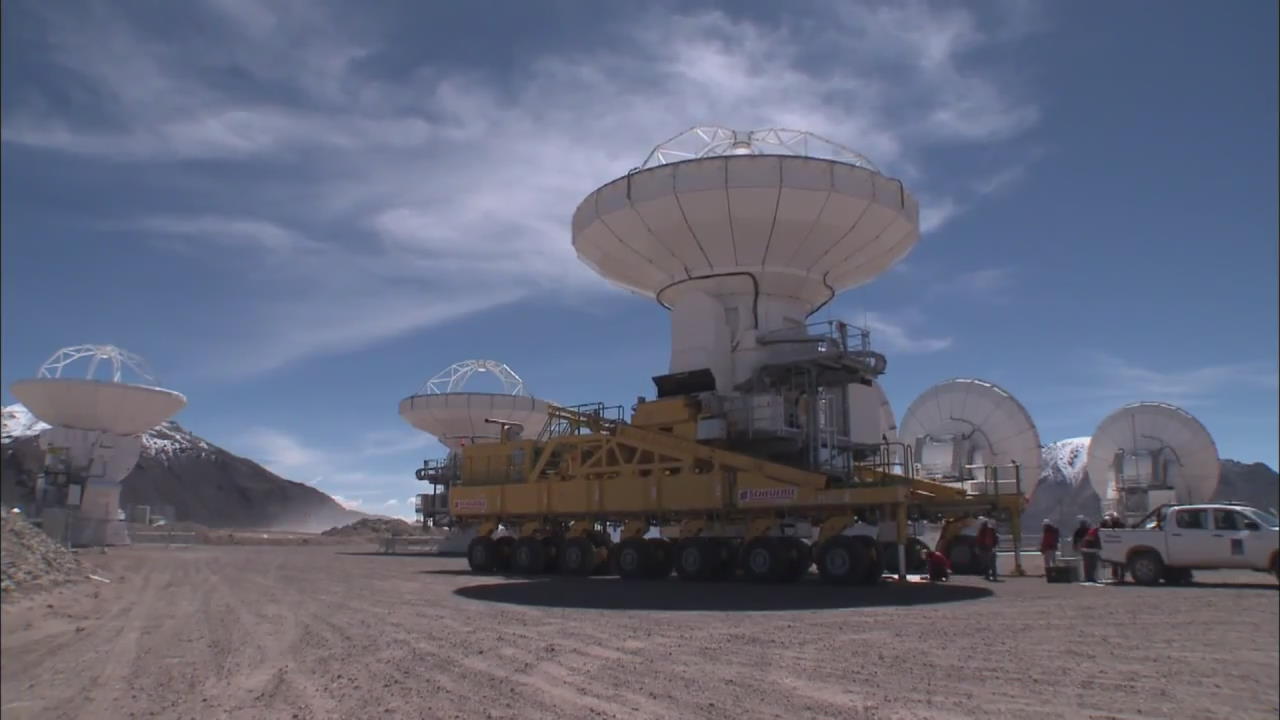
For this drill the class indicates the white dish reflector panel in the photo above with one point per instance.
(802, 227)
(967, 421)
(117, 408)
(1158, 441)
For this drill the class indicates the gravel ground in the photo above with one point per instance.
(30, 560)
(324, 632)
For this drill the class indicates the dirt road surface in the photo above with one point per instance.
(323, 632)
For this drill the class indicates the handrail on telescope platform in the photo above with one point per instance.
(585, 418)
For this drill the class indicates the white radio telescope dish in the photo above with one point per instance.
(443, 408)
(966, 422)
(125, 401)
(1152, 451)
(96, 417)
(743, 234)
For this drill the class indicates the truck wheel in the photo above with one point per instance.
(841, 560)
(502, 555)
(763, 560)
(577, 556)
(1146, 568)
(604, 543)
(528, 556)
(482, 554)
(634, 557)
(875, 564)
(799, 557)
(697, 559)
(551, 545)
(664, 558)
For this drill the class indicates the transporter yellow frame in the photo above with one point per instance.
(722, 508)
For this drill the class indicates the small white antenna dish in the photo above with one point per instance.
(442, 407)
(93, 441)
(961, 423)
(1149, 453)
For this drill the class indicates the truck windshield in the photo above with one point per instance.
(1266, 518)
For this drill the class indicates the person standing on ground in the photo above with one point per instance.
(1090, 546)
(1049, 539)
(987, 540)
(1112, 521)
(1082, 529)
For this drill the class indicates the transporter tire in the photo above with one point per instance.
(916, 564)
(577, 556)
(1146, 568)
(842, 560)
(528, 556)
(633, 558)
(875, 565)
(698, 559)
(482, 554)
(551, 544)
(799, 557)
(765, 559)
(502, 558)
(604, 545)
(664, 558)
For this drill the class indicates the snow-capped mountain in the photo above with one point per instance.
(197, 480)
(1063, 461)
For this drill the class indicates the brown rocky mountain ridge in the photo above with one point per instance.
(190, 477)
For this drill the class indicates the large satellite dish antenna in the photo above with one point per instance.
(958, 425)
(96, 417)
(443, 408)
(743, 235)
(1149, 453)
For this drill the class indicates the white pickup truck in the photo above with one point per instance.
(1176, 539)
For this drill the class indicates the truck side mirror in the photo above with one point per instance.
(1251, 525)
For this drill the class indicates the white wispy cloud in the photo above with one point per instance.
(895, 335)
(1120, 378)
(368, 184)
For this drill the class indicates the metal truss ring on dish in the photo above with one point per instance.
(119, 360)
(702, 141)
(1150, 453)
(962, 423)
(454, 378)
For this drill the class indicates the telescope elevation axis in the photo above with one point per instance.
(959, 426)
(1148, 454)
(741, 234)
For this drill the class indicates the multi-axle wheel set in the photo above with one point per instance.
(840, 559)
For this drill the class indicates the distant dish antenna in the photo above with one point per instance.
(959, 425)
(454, 378)
(1148, 454)
(443, 408)
(93, 441)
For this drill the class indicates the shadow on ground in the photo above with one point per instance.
(673, 594)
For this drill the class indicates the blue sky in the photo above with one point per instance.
(298, 211)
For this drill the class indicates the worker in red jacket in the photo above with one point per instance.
(987, 541)
(939, 568)
(1049, 539)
